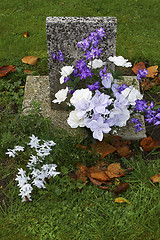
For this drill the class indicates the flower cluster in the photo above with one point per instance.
(37, 172)
(99, 102)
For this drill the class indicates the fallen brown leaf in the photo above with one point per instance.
(122, 200)
(6, 69)
(114, 170)
(138, 66)
(152, 71)
(156, 178)
(101, 176)
(147, 85)
(149, 144)
(121, 188)
(25, 34)
(27, 71)
(31, 60)
(103, 148)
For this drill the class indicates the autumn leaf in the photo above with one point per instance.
(81, 173)
(138, 66)
(121, 188)
(6, 69)
(27, 71)
(149, 144)
(101, 176)
(146, 84)
(103, 148)
(122, 200)
(114, 170)
(157, 79)
(152, 71)
(31, 60)
(156, 178)
(122, 146)
(25, 34)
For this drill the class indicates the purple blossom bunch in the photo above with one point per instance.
(141, 74)
(100, 103)
(59, 56)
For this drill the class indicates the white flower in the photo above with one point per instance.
(81, 94)
(34, 143)
(120, 61)
(61, 96)
(65, 72)
(11, 152)
(96, 63)
(19, 148)
(38, 183)
(132, 94)
(74, 121)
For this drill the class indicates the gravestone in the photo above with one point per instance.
(63, 33)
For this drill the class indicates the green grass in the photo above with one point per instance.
(137, 31)
(62, 211)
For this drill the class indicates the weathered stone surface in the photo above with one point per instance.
(37, 89)
(63, 33)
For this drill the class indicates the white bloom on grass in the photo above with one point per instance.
(61, 96)
(81, 94)
(96, 63)
(132, 94)
(74, 121)
(19, 148)
(34, 143)
(65, 72)
(11, 152)
(120, 61)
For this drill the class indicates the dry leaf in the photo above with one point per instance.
(157, 79)
(122, 200)
(27, 71)
(6, 69)
(25, 34)
(149, 144)
(147, 85)
(101, 176)
(103, 148)
(81, 173)
(114, 170)
(138, 66)
(122, 146)
(121, 188)
(152, 71)
(124, 151)
(156, 178)
(31, 60)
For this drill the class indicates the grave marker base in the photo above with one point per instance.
(37, 89)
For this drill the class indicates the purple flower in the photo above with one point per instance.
(81, 64)
(141, 74)
(58, 56)
(66, 79)
(85, 73)
(71, 90)
(84, 44)
(107, 80)
(138, 125)
(94, 86)
(94, 53)
(122, 87)
(99, 103)
(141, 105)
(101, 33)
(98, 127)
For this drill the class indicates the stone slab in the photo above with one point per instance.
(63, 33)
(37, 88)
